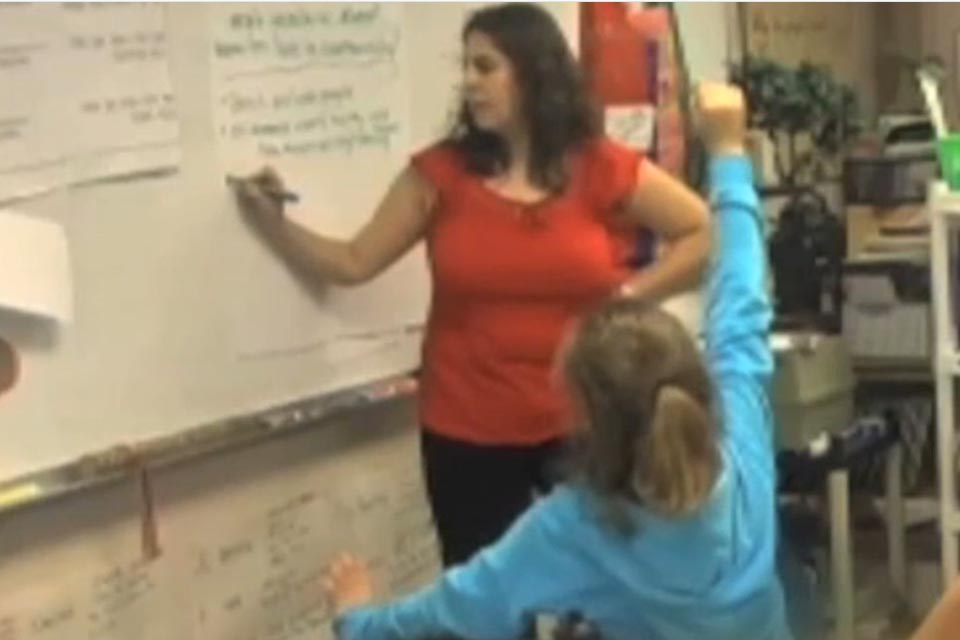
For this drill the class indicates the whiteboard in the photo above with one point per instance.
(150, 351)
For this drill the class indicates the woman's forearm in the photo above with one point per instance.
(680, 267)
(315, 256)
(399, 222)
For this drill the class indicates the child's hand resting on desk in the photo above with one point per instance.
(348, 583)
(722, 114)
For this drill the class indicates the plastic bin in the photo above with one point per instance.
(812, 392)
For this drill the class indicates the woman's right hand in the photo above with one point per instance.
(260, 199)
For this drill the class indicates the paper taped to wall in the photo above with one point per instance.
(34, 267)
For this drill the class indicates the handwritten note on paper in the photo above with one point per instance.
(253, 578)
(393, 523)
(116, 82)
(414, 557)
(262, 580)
(127, 601)
(49, 613)
(266, 582)
(136, 600)
(30, 134)
(34, 267)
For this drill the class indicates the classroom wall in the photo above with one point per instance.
(706, 43)
(940, 35)
(899, 38)
(908, 32)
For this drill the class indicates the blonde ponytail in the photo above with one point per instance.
(678, 457)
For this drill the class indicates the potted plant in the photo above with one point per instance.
(807, 115)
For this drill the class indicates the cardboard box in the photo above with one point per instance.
(865, 225)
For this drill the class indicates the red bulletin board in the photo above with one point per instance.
(616, 53)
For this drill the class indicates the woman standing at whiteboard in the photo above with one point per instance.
(528, 213)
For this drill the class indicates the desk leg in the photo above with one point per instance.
(841, 556)
(896, 526)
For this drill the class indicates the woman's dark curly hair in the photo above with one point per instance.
(559, 113)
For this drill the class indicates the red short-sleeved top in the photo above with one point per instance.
(508, 281)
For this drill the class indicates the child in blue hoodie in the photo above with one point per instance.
(669, 531)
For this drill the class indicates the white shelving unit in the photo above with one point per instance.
(944, 208)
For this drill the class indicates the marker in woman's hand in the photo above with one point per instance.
(282, 196)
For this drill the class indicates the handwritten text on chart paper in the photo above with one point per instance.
(291, 79)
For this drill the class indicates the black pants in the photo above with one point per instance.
(476, 492)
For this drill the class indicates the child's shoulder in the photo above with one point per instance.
(564, 506)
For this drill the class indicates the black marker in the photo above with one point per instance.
(283, 196)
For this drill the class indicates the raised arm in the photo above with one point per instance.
(398, 223)
(738, 309)
(737, 306)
